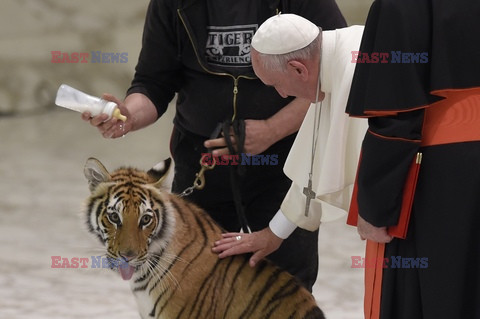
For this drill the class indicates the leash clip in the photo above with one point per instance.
(199, 182)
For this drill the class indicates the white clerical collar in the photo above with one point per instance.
(328, 53)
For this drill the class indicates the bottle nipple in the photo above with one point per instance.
(116, 114)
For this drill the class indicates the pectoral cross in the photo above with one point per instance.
(309, 193)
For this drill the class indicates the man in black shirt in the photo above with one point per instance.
(201, 50)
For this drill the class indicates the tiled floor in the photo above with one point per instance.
(41, 191)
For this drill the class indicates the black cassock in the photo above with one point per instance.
(433, 63)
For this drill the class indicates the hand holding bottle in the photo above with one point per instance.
(104, 113)
(110, 127)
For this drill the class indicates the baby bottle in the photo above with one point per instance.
(76, 100)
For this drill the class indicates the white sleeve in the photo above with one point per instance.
(281, 226)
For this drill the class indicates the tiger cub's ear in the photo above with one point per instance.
(161, 173)
(95, 173)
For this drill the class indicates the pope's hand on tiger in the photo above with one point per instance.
(261, 243)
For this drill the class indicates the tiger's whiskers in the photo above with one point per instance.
(160, 269)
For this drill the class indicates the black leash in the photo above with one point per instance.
(237, 127)
(237, 172)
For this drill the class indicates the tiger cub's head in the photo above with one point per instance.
(127, 210)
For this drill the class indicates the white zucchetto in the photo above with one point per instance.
(284, 33)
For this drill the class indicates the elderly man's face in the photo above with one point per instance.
(287, 83)
(277, 79)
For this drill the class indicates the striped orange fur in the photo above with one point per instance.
(167, 242)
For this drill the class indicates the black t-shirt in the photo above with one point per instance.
(230, 27)
(200, 49)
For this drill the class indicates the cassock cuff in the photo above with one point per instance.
(281, 226)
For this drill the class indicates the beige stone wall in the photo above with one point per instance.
(31, 29)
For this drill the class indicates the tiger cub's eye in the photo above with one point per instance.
(114, 218)
(145, 220)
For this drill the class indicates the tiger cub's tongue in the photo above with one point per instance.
(126, 271)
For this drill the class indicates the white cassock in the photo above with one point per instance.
(338, 144)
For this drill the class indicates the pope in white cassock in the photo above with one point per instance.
(293, 55)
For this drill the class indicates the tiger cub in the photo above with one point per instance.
(164, 243)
